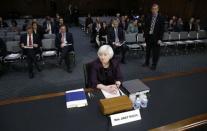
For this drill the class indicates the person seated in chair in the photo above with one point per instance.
(59, 23)
(64, 43)
(2, 23)
(103, 33)
(116, 39)
(105, 73)
(30, 43)
(48, 26)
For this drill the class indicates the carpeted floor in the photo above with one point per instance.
(15, 82)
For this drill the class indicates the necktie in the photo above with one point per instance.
(153, 24)
(116, 35)
(30, 40)
(62, 38)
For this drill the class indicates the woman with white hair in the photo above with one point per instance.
(105, 71)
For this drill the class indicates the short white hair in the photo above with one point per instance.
(106, 49)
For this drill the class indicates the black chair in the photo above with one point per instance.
(87, 70)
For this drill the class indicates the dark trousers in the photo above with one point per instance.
(121, 49)
(31, 59)
(65, 55)
(152, 47)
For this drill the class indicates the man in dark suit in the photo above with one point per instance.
(2, 23)
(153, 33)
(30, 43)
(48, 26)
(64, 43)
(58, 24)
(116, 39)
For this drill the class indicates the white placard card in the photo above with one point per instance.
(125, 117)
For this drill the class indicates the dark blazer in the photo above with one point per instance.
(57, 27)
(158, 29)
(23, 40)
(3, 24)
(3, 51)
(52, 27)
(103, 32)
(193, 28)
(69, 39)
(99, 76)
(111, 35)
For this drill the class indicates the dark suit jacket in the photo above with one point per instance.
(158, 29)
(193, 28)
(23, 39)
(69, 39)
(100, 76)
(111, 35)
(52, 27)
(57, 27)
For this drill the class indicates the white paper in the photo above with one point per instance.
(109, 95)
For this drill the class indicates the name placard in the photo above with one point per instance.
(125, 117)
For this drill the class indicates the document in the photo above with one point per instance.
(109, 95)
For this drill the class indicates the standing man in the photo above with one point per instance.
(30, 43)
(153, 33)
(64, 43)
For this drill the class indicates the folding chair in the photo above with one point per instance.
(201, 39)
(182, 43)
(14, 52)
(49, 36)
(131, 41)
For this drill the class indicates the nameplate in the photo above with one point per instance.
(125, 117)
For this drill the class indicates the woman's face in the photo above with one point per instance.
(104, 58)
(34, 26)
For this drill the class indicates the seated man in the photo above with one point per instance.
(48, 26)
(64, 43)
(2, 23)
(105, 72)
(116, 39)
(30, 43)
(3, 51)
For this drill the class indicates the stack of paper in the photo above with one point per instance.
(76, 98)
(109, 95)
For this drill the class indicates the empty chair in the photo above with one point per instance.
(131, 38)
(192, 36)
(171, 45)
(48, 47)
(141, 40)
(13, 50)
(17, 38)
(49, 36)
(131, 41)
(183, 37)
(165, 40)
(23, 32)
(202, 37)
(11, 33)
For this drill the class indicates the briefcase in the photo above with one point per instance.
(114, 105)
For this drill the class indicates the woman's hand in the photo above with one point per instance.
(118, 84)
(112, 89)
